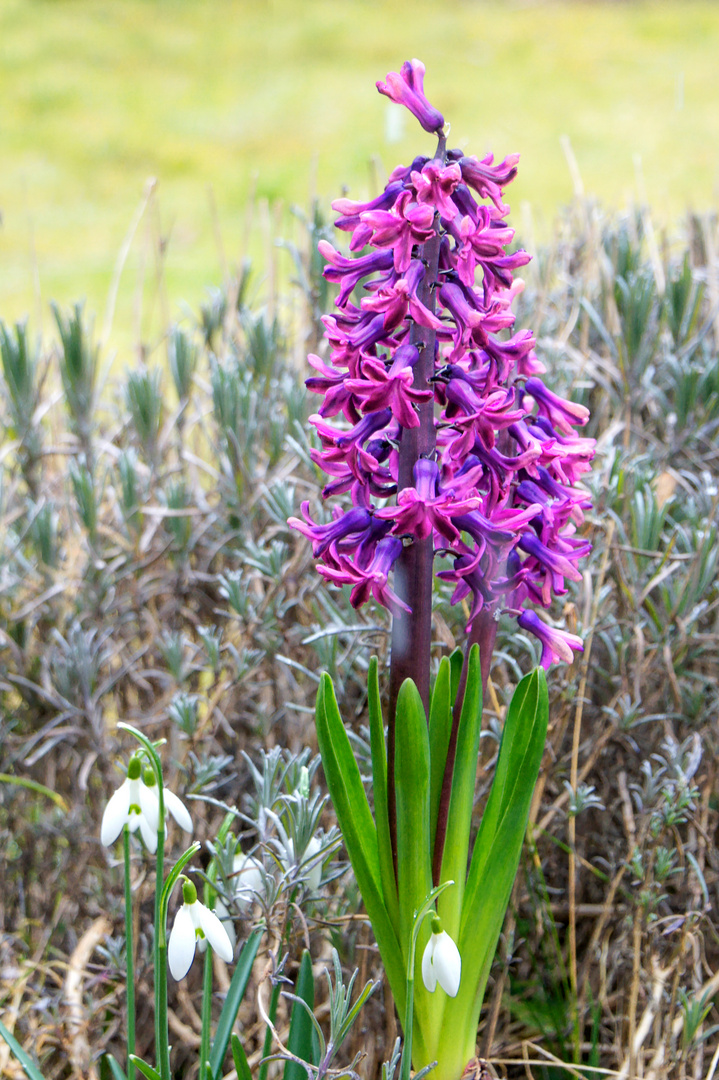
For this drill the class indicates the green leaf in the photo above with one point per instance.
(235, 994)
(145, 1069)
(456, 660)
(115, 1068)
(414, 860)
(358, 828)
(379, 791)
(440, 729)
(464, 778)
(414, 869)
(494, 862)
(242, 1066)
(302, 1039)
(31, 1069)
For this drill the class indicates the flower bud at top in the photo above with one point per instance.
(134, 767)
(148, 776)
(189, 892)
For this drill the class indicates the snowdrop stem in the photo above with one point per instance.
(129, 956)
(205, 1073)
(160, 958)
(209, 895)
(162, 899)
(426, 909)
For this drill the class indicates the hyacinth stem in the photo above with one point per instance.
(413, 571)
(484, 633)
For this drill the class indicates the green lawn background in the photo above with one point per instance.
(222, 98)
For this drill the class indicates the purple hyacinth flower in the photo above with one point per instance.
(407, 88)
(557, 645)
(488, 179)
(353, 523)
(435, 185)
(370, 581)
(561, 414)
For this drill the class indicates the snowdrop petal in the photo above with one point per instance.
(116, 815)
(428, 975)
(247, 880)
(148, 833)
(226, 920)
(441, 963)
(178, 810)
(150, 805)
(214, 931)
(181, 947)
(447, 963)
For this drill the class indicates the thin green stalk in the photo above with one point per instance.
(129, 956)
(408, 1026)
(162, 1035)
(206, 1016)
(160, 961)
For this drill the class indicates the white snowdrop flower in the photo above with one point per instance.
(247, 880)
(441, 962)
(313, 874)
(194, 926)
(134, 805)
(173, 805)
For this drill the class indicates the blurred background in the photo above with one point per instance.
(159, 143)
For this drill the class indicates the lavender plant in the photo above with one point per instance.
(452, 450)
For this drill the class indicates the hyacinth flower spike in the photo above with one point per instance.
(445, 441)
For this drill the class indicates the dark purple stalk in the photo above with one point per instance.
(412, 633)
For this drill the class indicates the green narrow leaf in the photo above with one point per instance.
(358, 828)
(235, 994)
(118, 1073)
(302, 1039)
(145, 1069)
(456, 660)
(27, 1063)
(464, 777)
(239, 1057)
(440, 729)
(379, 791)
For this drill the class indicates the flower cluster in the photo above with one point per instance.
(497, 489)
(136, 804)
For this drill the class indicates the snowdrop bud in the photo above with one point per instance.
(441, 962)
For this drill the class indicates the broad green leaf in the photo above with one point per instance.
(414, 869)
(31, 1069)
(235, 994)
(440, 729)
(302, 1039)
(414, 863)
(144, 1068)
(495, 860)
(239, 1057)
(464, 778)
(358, 829)
(379, 791)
